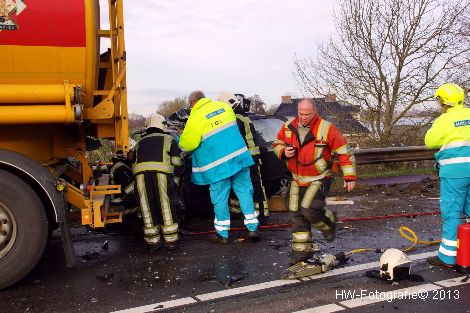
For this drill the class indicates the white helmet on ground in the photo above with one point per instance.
(155, 120)
(229, 98)
(391, 260)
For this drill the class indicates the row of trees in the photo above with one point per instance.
(389, 56)
(168, 107)
(137, 121)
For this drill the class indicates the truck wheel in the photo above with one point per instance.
(23, 229)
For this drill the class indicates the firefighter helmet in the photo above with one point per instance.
(245, 102)
(392, 260)
(155, 120)
(229, 98)
(450, 94)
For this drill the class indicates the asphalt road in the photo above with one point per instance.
(244, 276)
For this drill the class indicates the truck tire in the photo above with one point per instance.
(23, 229)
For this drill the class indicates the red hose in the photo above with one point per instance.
(351, 219)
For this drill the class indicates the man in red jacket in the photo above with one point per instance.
(307, 145)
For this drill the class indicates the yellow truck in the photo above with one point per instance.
(58, 94)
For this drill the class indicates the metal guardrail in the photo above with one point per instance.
(393, 154)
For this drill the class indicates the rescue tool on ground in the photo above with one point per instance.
(315, 266)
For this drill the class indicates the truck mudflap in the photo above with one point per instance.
(69, 251)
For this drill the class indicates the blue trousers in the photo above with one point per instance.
(455, 200)
(220, 191)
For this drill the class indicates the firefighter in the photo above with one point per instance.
(220, 158)
(451, 133)
(240, 106)
(121, 174)
(307, 145)
(157, 161)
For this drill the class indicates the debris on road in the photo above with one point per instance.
(105, 245)
(106, 277)
(232, 279)
(90, 255)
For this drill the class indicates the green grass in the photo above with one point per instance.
(383, 170)
(402, 171)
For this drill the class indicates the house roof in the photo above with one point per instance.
(334, 112)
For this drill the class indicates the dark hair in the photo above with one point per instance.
(195, 96)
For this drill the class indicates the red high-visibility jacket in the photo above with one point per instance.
(313, 158)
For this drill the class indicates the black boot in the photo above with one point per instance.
(330, 235)
(172, 245)
(297, 256)
(219, 239)
(254, 236)
(155, 247)
(435, 261)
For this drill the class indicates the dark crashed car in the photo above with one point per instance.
(273, 172)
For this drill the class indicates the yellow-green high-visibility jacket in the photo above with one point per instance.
(219, 150)
(451, 133)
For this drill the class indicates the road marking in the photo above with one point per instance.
(389, 295)
(453, 282)
(337, 201)
(245, 289)
(261, 286)
(345, 270)
(159, 306)
(328, 308)
(421, 256)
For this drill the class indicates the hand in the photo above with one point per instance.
(349, 185)
(289, 152)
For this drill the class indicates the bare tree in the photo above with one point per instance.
(170, 106)
(257, 105)
(460, 75)
(271, 109)
(388, 56)
(136, 121)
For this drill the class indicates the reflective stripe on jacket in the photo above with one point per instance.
(247, 129)
(157, 152)
(219, 150)
(312, 159)
(451, 133)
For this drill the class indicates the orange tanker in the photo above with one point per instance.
(58, 93)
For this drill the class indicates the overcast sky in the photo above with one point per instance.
(246, 46)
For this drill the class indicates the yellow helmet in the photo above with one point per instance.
(450, 94)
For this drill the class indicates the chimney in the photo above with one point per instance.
(286, 99)
(330, 98)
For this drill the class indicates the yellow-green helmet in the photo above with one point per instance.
(451, 94)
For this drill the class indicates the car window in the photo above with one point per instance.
(268, 128)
